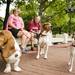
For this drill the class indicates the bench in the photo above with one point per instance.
(59, 38)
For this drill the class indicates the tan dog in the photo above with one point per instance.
(10, 50)
(45, 41)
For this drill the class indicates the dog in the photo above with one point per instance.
(10, 51)
(72, 53)
(45, 41)
(71, 59)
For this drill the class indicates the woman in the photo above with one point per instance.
(35, 25)
(15, 24)
(35, 28)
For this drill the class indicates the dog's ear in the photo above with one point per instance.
(8, 49)
(6, 53)
(1, 38)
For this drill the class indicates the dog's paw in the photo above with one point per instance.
(17, 69)
(45, 57)
(7, 70)
(70, 70)
(37, 57)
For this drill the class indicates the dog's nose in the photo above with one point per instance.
(16, 55)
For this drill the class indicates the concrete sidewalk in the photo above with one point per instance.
(56, 64)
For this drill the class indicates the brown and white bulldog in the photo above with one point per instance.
(10, 50)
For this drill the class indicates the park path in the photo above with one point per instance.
(56, 64)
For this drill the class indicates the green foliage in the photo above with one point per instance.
(54, 12)
(1, 25)
(50, 11)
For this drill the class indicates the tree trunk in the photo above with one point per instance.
(7, 14)
(40, 8)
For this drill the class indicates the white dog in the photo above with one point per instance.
(72, 54)
(45, 41)
(10, 52)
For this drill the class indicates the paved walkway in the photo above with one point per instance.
(56, 64)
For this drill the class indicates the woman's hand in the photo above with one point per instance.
(21, 29)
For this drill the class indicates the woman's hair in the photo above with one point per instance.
(14, 10)
(37, 17)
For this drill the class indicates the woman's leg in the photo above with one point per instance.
(24, 38)
(29, 35)
(23, 41)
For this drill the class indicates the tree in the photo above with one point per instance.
(53, 11)
(39, 6)
(7, 2)
(7, 14)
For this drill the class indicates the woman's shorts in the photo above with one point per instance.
(14, 32)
